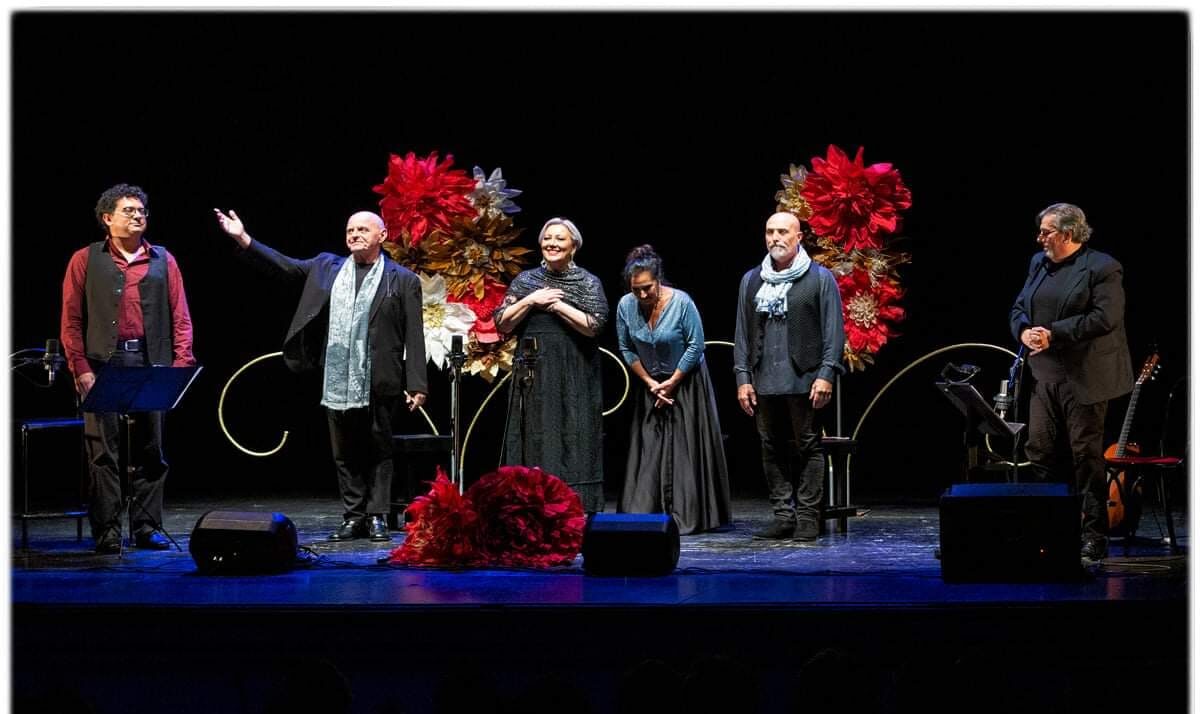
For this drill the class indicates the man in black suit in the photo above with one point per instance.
(1071, 317)
(359, 320)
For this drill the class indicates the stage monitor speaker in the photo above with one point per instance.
(243, 542)
(630, 544)
(1009, 532)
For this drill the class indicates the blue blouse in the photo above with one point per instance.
(676, 342)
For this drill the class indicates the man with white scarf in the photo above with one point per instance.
(359, 320)
(787, 353)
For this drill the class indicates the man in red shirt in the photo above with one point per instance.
(124, 304)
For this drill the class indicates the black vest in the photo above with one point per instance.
(102, 303)
(803, 320)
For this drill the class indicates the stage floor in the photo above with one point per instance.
(148, 628)
(888, 556)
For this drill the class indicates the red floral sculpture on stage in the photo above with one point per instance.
(441, 529)
(853, 205)
(455, 231)
(850, 211)
(527, 518)
(515, 516)
(421, 195)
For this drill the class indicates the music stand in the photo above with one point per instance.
(123, 391)
(978, 413)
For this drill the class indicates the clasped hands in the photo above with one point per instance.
(546, 299)
(1036, 339)
(662, 391)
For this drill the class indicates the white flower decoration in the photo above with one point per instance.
(442, 319)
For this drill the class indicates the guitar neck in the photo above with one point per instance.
(1137, 388)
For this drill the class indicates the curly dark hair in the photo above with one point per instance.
(108, 200)
(642, 258)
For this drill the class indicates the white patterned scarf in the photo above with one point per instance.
(771, 298)
(347, 369)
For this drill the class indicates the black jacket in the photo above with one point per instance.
(396, 331)
(1088, 332)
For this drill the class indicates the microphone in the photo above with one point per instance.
(1003, 399)
(1007, 395)
(528, 358)
(52, 359)
(457, 357)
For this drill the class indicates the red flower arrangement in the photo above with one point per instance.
(515, 516)
(868, 308)
(421, 195)
(850, 210)
(441, 529)
(444, 223)
(527, 518)
(852, 204)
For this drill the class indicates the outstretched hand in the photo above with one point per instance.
(233, 226)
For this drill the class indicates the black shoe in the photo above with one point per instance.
(778, 530)
(806, 531)
(151, 541)
(377, 529)
(108, 546)
(1094, 550)
(350, 529)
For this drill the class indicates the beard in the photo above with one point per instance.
(781, 253)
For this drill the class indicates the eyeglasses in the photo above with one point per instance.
(131, 211)
(1046, 233)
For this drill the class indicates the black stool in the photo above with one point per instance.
(420, 454)
(27, 512)
(837, 490)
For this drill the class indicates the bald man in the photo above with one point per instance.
(787, 353)
(359, 320)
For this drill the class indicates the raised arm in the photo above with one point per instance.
(264, 257)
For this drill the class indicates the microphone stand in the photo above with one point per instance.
(1010, 396)
(457, 359)
(527, 360)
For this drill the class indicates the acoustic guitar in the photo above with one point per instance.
(1125, 498)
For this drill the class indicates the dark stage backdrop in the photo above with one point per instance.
(671, 129)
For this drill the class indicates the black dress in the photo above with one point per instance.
(555, 418)
(676, 461)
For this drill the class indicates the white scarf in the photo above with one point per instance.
(771, 298)
(347, 369)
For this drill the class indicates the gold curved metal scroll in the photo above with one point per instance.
(282, 439)
(912, 364)
(221, 409)
(625, 374)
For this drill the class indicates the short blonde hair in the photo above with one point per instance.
(576, 236)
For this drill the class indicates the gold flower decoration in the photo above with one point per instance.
(488, 361)
(789, 198)
(473, 249)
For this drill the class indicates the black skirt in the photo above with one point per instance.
(676, 458)
(555, 421)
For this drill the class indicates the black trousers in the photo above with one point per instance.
(791, 455)
(101, 435)
(1066, 443)
(362, 454)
